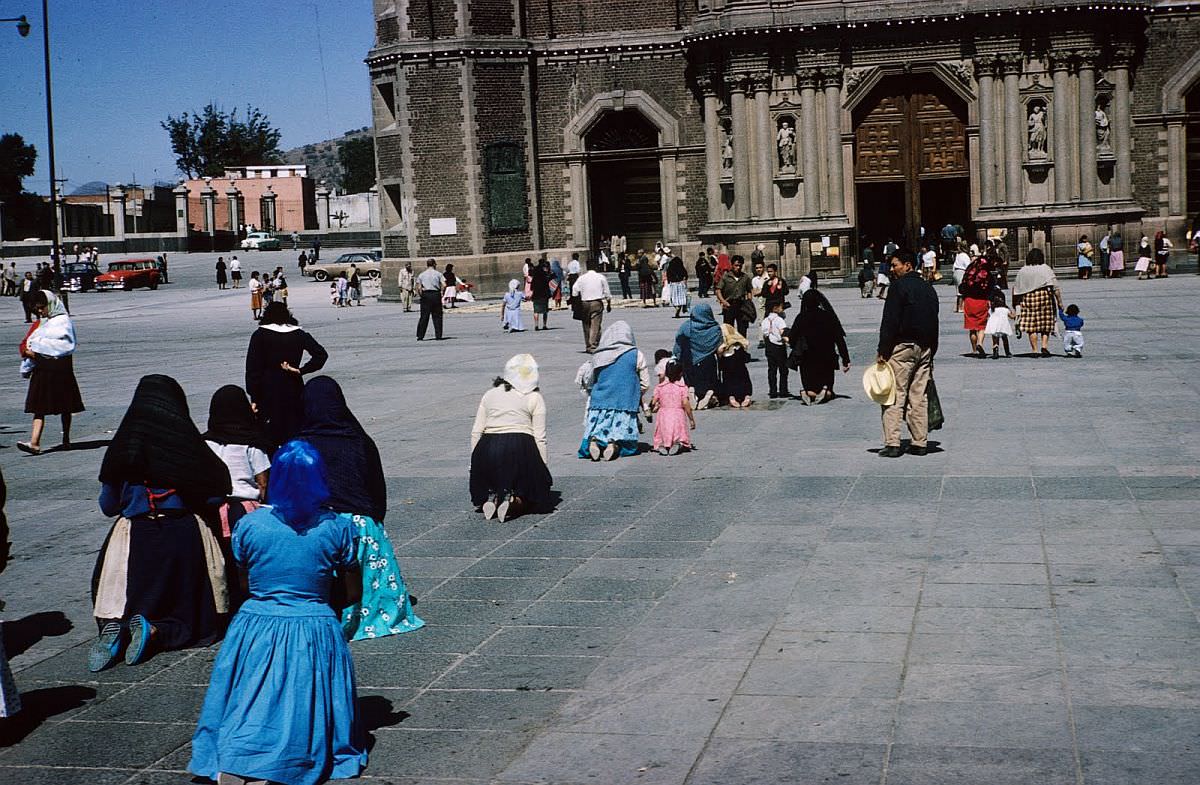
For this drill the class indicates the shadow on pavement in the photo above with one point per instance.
(39, 706)
(21, 635)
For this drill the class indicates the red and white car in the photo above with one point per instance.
(127, 274)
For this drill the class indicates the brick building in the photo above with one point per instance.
(506, 128)
(269, 198)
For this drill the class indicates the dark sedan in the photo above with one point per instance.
(79, 276)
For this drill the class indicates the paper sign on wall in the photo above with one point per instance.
(442, 226)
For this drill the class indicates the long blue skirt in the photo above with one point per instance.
(385, 608)
(281, 703)
(610, 425)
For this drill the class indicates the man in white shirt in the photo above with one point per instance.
(431, 284)
(235, 271)
(407, 282)
(756, 284)
(591, 289)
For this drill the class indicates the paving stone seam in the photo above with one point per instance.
(1060, 651)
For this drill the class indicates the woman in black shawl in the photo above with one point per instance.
(358, 491)
(274, 375)
(818, 340)
(159, 581)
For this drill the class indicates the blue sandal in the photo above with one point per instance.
(107, 648)
(139, 639)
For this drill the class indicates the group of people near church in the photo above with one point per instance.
(266, 529)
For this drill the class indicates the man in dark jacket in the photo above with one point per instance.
(908, 340)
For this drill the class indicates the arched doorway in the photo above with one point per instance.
(911, 167)
(624, 186)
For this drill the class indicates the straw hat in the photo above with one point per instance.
(880, 383)
(730, 338)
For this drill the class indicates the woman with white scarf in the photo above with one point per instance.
(46, 354)
(508, 445)
(615, 379)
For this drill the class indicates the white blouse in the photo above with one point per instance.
(508, 411)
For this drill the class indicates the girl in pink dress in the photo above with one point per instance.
(673, 412)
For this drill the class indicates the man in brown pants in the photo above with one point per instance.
(908, 340)
(592, 290)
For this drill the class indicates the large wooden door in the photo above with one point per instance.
(910, 131)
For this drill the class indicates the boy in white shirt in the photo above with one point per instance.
(774, 330)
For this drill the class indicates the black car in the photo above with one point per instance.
(79, 276)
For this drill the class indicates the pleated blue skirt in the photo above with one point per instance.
(281, 703)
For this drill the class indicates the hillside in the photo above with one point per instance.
(322, 158)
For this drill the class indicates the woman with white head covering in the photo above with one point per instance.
(510, 311)
(508, 444)
(46, 357)
(616, 378)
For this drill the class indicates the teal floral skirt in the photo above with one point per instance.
(611, 425)
(385, 607)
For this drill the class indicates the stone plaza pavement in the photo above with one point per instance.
(780, 606)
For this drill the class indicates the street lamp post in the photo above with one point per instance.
(23, 28)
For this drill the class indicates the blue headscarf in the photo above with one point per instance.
(556, 270)
(700, 334)
(297, 487)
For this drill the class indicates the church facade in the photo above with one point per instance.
(512, 128)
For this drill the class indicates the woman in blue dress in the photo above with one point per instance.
(281, 701)
(616, 378)
(358, 494)
(696, 346)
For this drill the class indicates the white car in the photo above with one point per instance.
(261, 241)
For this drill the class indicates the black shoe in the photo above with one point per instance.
(915, 450)
(995, 353)
(980, 353)
(891, 452)
(1046, 353)
(773, 395)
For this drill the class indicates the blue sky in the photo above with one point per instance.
(121, 66)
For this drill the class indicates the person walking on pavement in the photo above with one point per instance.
(407, 281)
(28, 290)
(908, 340)
(221, 279)
(430, 284)
(235, 271)
(591, 289)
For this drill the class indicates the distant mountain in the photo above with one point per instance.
(91, 189)
(322, 157)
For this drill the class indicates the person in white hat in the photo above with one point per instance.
(508, 444)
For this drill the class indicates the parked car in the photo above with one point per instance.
(127, 274)
(366, 262)
(261, 241)
(79, 276)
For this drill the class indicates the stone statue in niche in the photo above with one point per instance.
(785, 141)
(1037, 131)
(726, 151)
(1103, 131)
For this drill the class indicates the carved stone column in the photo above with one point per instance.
(1087, 125)
(764, 143)
(1121, 119)
(985, 74)
(741, 146)
(831, 80)
(208, 198)
(1059, 67)
(269, 223)
(712, 145)
(1014, 129)
(1176, 173)
(806, 78)
(323, 206)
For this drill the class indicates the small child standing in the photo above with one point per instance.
(673, 408)
(510, 311)
(661, 358)
(334, 298)
(999, 324)
(774, 330)
(1073, 334)
(343, 290)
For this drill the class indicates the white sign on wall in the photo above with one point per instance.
(442, 226)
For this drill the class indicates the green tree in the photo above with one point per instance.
(207, 141)
(357, 157)
(16, 163)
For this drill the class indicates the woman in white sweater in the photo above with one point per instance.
(508, 445)
(46, 355)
